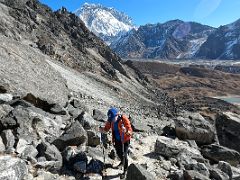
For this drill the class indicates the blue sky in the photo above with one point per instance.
(210, 12)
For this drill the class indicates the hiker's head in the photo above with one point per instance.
(112, 114)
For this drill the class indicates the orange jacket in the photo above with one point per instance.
(124, 120)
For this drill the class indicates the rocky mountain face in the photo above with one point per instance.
(171, 40)
(223, 43)
(61, 35)
(57, 81)
(107, 23)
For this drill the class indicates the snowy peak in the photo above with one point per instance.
(107, 23)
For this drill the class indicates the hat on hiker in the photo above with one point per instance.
(112, 113)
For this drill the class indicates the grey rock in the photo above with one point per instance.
(57, 109)
(52, 166)
(93, 138)
(74, 136)
(187, 157)
(194, 127)
(166, 165)
(79, 105)
(192, 143)
(236, 173)
(12, 168)
(74, 112)
(218, 174)
(25, 150)
(5, 98)
(172, 147)
(24, 122)
(226, 168)
(86, 120)
(76, 103)
(194, 175)
(2, 146)
(46, 127)
(140, 127)
(8, 122)
(8, 139)
(199, 167)
(99, 115)
(5, 109)
(95, 153)
(218, 153)
(176, 175)
(51, 153)
(34, 123)
(41, 159)
(80, 166)
(136, 171)
(43, 175)
(227, 126)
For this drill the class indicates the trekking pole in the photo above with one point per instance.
(103, 149)
(123, 152)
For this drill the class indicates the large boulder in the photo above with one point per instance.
(193, 126)
(33, 123)
(227, 126)
(136, 171)
(31, 73)
(12, 168)
(169, 147)
(218, 153)
(74, 136)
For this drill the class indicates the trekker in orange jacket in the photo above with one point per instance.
(121, 134)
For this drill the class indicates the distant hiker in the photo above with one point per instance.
(121, 135)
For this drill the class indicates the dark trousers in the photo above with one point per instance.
(119, 150)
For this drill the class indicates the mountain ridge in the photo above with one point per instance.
(127, 43)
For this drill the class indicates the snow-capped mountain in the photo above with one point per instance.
(224, 43)
(107, 23)
(174, 39)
